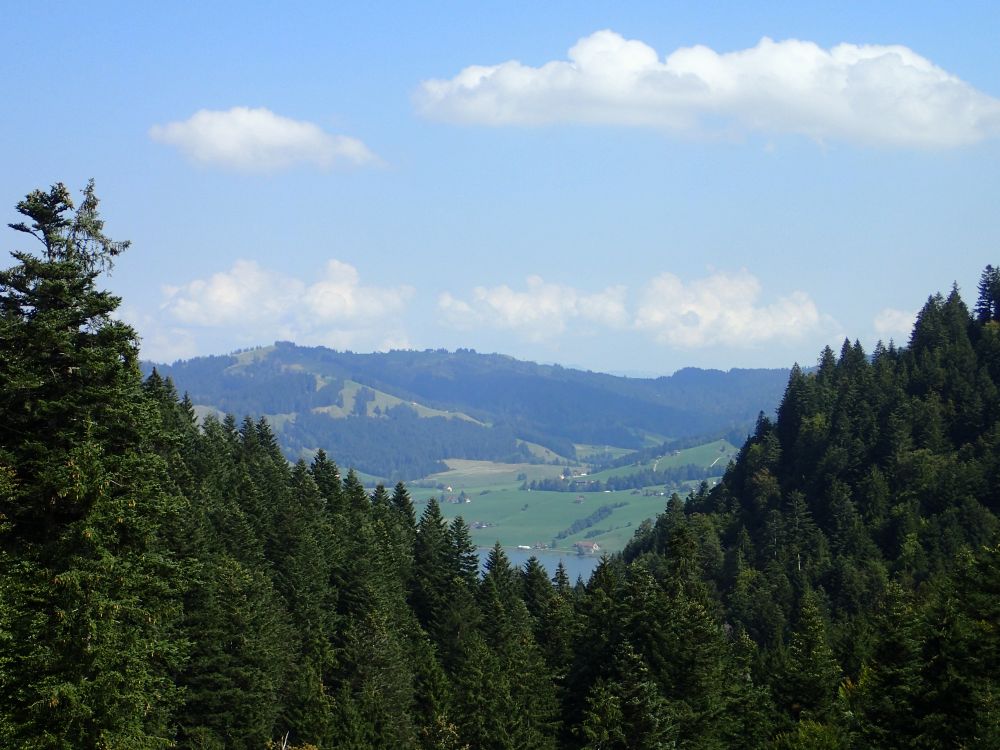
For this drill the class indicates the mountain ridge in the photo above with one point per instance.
(412, 401)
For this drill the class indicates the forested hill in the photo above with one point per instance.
(397, 414)
(853, 545)
(165, 583)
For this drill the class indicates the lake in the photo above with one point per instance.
(576, 565)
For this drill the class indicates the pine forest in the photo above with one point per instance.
(168, 582)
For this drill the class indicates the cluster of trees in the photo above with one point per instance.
(865, 520)
(163, 583)
(259, 385)
(670, 477)
(397, 445)
(585, 523)
(169, 584)
(402, 445)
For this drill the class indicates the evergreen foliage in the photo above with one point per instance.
(170, 584)
(90, 587)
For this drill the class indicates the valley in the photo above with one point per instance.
(527, 454)
(492, 498)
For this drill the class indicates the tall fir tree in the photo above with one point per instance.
(88, 580)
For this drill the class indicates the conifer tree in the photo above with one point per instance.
(627, 711)
(809, 687)
(886, 697)
(988, 303)
(537, 588)
(432, 563)
(455, 618)
(88, 581)
(327, 477)
(498, 571)
(355, 497)
(403, 504)
(465, 559)
(561, 579)
(602, 614)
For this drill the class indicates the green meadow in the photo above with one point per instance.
(489, 498)
(716, 454)
(523, 517)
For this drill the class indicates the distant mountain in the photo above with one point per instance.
(398, 414)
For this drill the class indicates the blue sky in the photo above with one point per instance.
(628, 189)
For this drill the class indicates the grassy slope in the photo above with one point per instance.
(585, 451)
(521, 517)
(528, 518)
(382, 401)
(479, 475)
(716, 454)
(542, 453)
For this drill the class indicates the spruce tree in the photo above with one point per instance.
(465, 559)
(627, 711)
(988, 303)
(327, 477)
(432, 576)
(89, 584)
(886, 696)
(808, 689)
(403, 505)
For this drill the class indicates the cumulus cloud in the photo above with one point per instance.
(870, 94)
(540, 311)
(258, 140)
(157, 342)
(336, 309)
(894, 323)
(722, 309)
(245, 293)
(340, 296)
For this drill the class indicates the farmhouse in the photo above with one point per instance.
(587, 548)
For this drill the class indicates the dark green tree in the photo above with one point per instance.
(958, 699)
(465, 558)
(90, 586)
(808, 689)
(885, 699)
(432, 571)
(988, 303)
(627, 711)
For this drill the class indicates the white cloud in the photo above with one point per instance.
(541, 311)
(460, 314)
(870, 94)
(722, 310)
(339, 296)
(168, 345)
(258, 140)
(259, 304)
(246, 293)
(395, 341)
(895, 323)
(156, 342)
